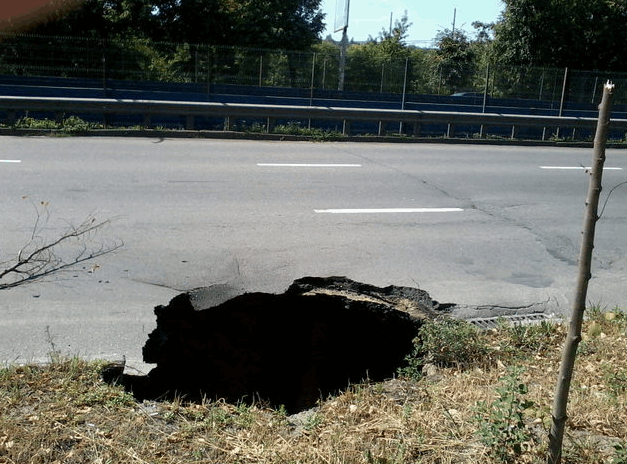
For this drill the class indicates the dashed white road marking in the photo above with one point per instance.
(10, 161)
(309, 165)
(387, 210)
(581, 168)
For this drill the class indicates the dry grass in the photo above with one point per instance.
(64, 413)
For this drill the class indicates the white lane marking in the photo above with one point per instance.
(388, 210)
(579, 168)
(10, 161)
(309, 165)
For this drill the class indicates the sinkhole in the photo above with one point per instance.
(291, 349)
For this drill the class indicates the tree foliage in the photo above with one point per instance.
(454, 60)
(287, 24)
(579, 34)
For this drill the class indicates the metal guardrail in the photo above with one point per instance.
(231, 111)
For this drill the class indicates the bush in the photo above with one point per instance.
(447, 342)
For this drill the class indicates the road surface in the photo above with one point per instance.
(491, 228)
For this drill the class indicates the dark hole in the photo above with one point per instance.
(289, 349)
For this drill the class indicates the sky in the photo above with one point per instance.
(369, 17)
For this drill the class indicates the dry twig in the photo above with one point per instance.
(41, 257)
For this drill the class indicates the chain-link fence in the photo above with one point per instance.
(141, 60)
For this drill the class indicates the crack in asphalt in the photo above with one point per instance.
(544, 240)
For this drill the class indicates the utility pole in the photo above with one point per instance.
(343, 46)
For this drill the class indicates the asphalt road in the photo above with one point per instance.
(491, 228)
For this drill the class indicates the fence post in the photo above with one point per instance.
(562, 99)
(400, 125)
(594, 90)
(311, 88)
(382, 69)
(104, 68)
(313, 71)
(485, 98)
(195, 64)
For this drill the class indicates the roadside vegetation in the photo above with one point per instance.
(72, 125)
(465, 396)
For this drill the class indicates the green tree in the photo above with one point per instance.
(379, 64)
(579, 34)
(453, 61)
(327, 64)
(392, 43)
(102, 19)
(286, 24)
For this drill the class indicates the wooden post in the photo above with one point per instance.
(556, 435)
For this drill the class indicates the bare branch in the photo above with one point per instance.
(41, 257)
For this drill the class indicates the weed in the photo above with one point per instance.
(531, 339)
(31, 123)
(69, 126)
(313, 421)
(294, 128)
(247, 126)
(620, 454)
(446, 342)
(76, 125)
(501, 424)
(244, 416)
(616, 381)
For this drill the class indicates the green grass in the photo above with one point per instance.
(487, 398)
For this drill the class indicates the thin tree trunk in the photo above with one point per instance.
(573, 338)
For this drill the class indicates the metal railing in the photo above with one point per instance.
(412, 119)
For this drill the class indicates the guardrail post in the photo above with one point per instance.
(483, 130)
(270, 123)
(346, 127)
(450, 130)
(382, 130)
(514, 132)
(227, 123)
